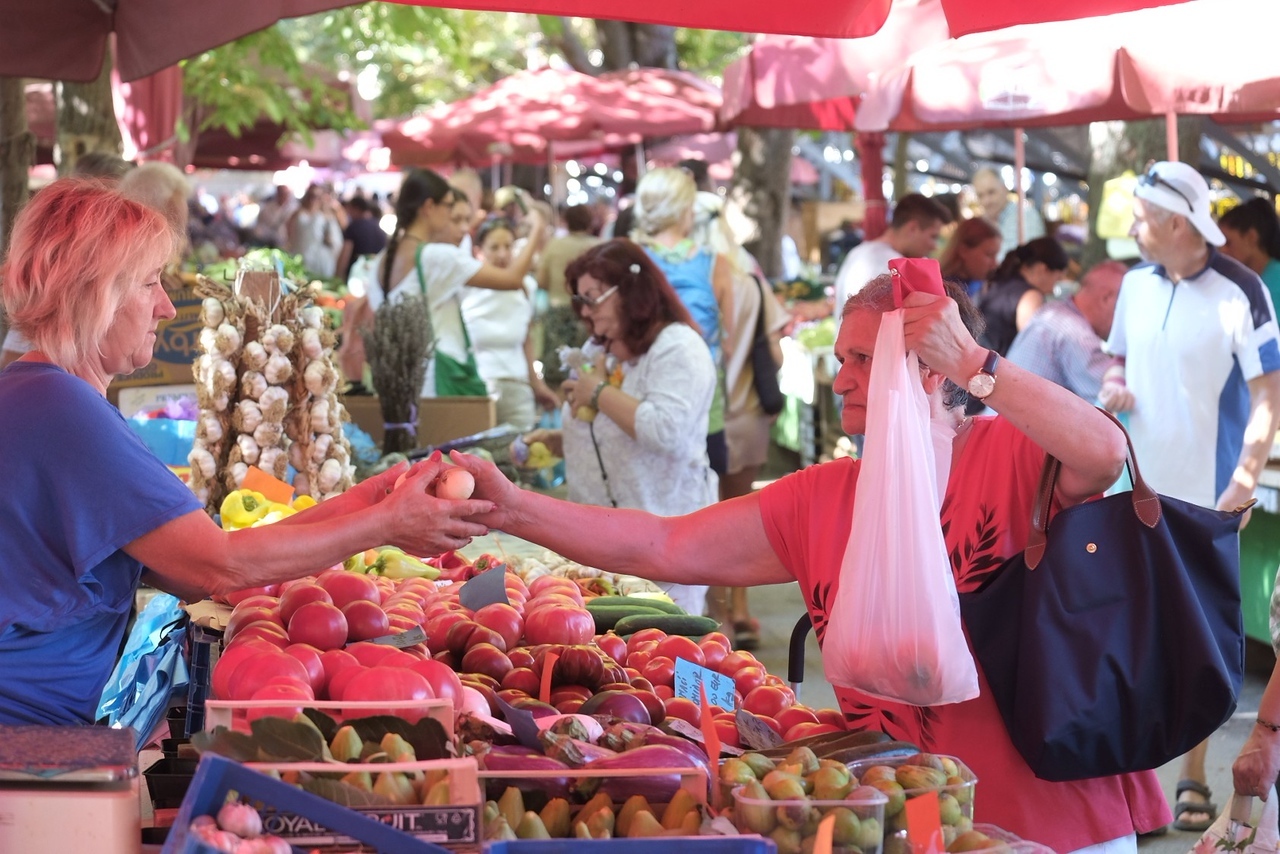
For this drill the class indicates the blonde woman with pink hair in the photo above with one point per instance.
(87, 512)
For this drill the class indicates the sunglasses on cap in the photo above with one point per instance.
(1153, 179)
(592, 302)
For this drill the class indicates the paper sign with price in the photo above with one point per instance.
(719, 687)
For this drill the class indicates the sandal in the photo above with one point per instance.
(746, 634)
(1207, 808)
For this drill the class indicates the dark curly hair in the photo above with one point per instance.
(649, 303)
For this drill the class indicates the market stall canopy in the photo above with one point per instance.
(717, 150)
(520, 116)
(67, 39)
(1134, 65)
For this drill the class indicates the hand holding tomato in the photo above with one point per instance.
(422, 524)
(491, 484)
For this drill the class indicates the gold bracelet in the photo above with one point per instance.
(1268, 724)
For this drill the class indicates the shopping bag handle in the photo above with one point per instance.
(1146, 503)
(915, 274)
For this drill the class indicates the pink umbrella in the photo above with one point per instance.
(717, 150)
(66, 39)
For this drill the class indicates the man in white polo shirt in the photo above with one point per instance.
(1199, 371)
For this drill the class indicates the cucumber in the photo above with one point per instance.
(669, 623)
(638, 602)
(608, 616)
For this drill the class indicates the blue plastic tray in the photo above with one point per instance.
(659, 845)
(215, 776)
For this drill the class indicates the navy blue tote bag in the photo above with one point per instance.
(1115, 642)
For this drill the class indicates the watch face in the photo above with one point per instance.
(981, 385)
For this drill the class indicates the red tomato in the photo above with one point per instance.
(398, 625)
(245, 616)
(370, 654)
(644, 636)
(319, 624)
(487, 659)
(333, 661)
(660, 671)
(522, 657)
(771, 723)
(437, 628)
(444, 682)
(484, 635)
(551, 600)
(554, 583)
(235, 599)
(338, 684)
(719, 638)
(797, 714)
(280, 691)
(559, 624)
(766, 700)
(747, 679)
(653, 704)
(310, 658)
(347, 587)
(398, 658)
(728, 732)
(664, 692)
(406, 608)
(365, 621)
(269, 632)
(735, 661)
(613, 646)
(684, 709)
(300, 594)
(380, 684)
(832, 717)
(806, 730)
(523, 679)
(503, 619)
(713, 654)
(679, 646)
(639, 660)
(230, 659)
(639, 683)
(259, 669)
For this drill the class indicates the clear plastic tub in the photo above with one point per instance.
(792, 824)
(955, 795)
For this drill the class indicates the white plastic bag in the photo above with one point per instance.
(894, 627)
(1218, 838)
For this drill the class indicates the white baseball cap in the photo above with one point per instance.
(1179, 188)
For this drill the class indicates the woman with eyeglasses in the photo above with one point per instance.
(635, 417)
(423, 257)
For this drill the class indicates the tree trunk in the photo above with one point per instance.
(646, 45)
(1119, 147)
(762, 188)
(86, 119)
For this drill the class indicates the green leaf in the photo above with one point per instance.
(226, 742)
(284, 740)
(328, 726)
(342, 793)
(427, 737)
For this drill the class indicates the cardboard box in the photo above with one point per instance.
(439, 418)
(177, 341)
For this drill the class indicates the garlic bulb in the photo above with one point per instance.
(221, 401)
(208, 339)
(247, 417)
(312, 317)
(278, 369)
(253, 385)
(320, 417)
(320, 449)
(202, 370)
(255, 355)
(301, 484)
(274, 403)
(249, 450)
(272, 461)
(211, 312)
(329, 475)
(281, 338)
(227, 339)
(209, 428)
(319, 376)
(224, 375)
(203, 462)
(312, 347)
(298, 455)
(268, 433)
(237, 473)
(340, 454)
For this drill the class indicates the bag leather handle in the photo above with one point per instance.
(1146, 503)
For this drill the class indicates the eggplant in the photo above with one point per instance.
(501, 759)
(691, 749)
(625, 735)
(617, 704)
(657, 788)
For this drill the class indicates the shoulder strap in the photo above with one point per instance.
(417, 263)
(761, 332)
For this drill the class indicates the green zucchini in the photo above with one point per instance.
(608, 616)
(669, 623)
(638, 602)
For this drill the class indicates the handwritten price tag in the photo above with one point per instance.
(754, 732)
(690, 678)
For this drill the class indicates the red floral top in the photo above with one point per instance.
(986, 517)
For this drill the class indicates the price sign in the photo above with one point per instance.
(523, 724)
(690, 678)
(486, 588)
(754, 732)
(403, 639)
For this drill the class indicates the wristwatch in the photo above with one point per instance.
(983, 382)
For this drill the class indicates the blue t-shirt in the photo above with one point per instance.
(78, 485)
(691, 279)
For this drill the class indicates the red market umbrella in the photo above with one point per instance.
(1130, 66)
(66, 39)
(717, 150)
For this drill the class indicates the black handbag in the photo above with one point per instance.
(1115, 642)
(763, 368)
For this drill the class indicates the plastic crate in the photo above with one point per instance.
(222, 712)
(895, 821)
(1015, 842)
(168, 780)
(456, 826)
(692, 844)
(493, 782)
(763, 816)
(204, 646)
(216, 776)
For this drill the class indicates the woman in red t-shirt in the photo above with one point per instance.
(797, 528)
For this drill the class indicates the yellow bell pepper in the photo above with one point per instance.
(302, 502)
(242, 508)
